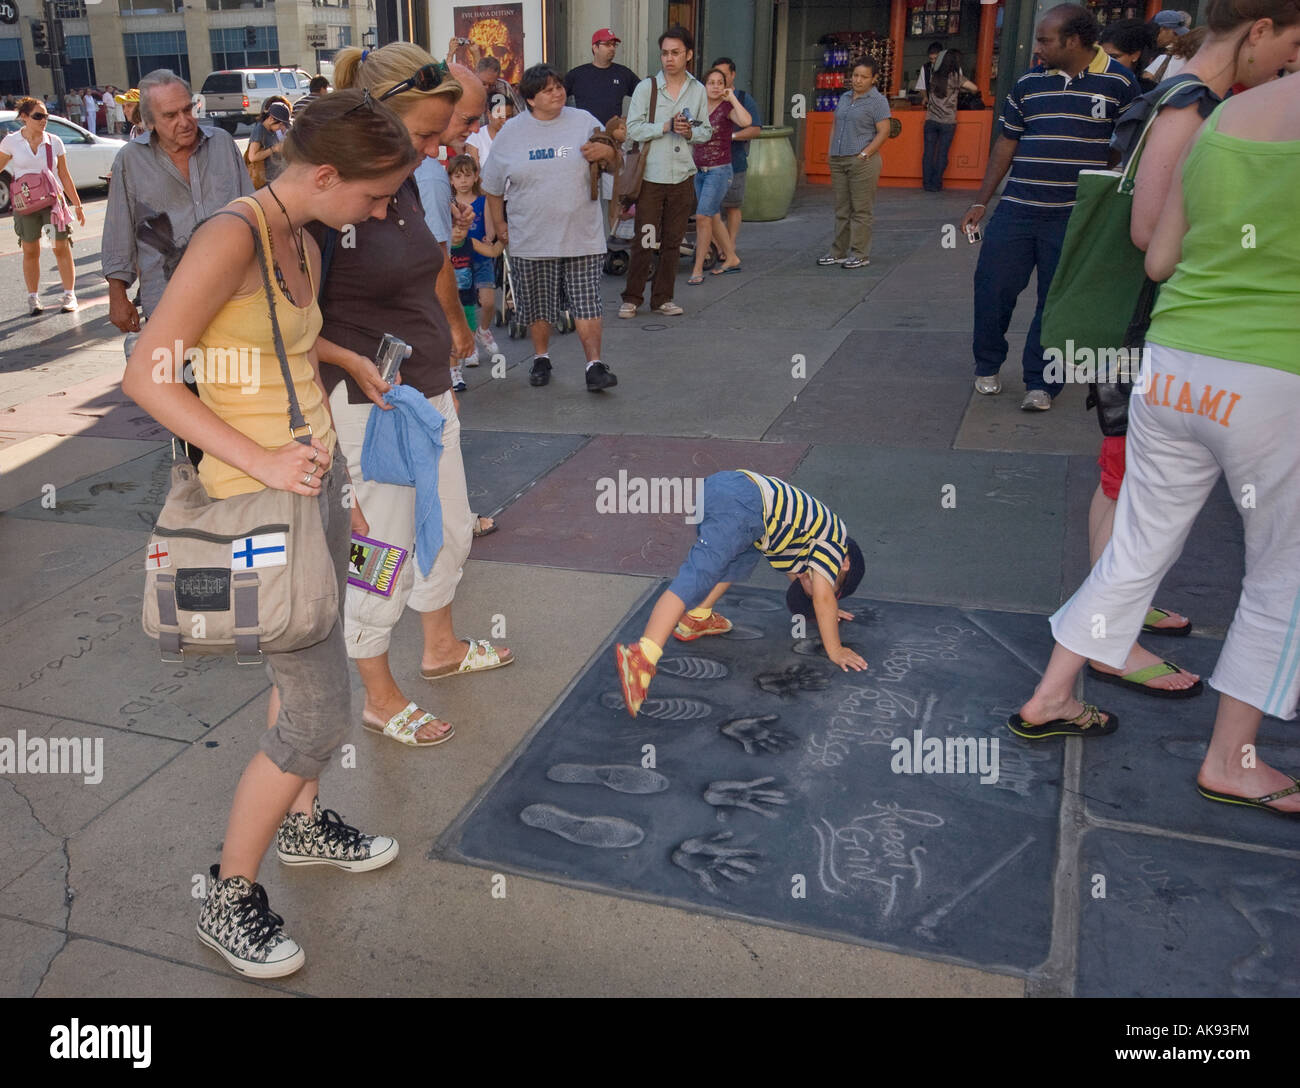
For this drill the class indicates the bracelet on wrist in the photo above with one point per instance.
(984, 206)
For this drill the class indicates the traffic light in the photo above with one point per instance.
(250, 37)
(40, 36)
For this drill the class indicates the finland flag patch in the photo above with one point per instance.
(263, 550)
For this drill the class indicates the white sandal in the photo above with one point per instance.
(480, 657)
(403, 727)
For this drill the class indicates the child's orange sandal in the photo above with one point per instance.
(688, 628)
(634, 675)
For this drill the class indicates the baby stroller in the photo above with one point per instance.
(506, 314)
(619, 254)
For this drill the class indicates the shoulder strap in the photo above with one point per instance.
(49, 153)
(1130, 170)
(654, 98)
(296, 420)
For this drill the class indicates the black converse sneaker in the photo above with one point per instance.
(324, 839)
(237, 922)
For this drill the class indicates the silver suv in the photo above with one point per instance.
(237, 94)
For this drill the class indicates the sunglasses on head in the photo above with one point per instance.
(424, 79)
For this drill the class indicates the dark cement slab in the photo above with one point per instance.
(96, 407)
(772, 797)
(885, 388)
(1186, 919)
(39, 566)
(557, 522)
(81, 655)
(777, 302)
(999, 546)
(998, 423)
(500, 465)
(127, 496)
(1146, 772)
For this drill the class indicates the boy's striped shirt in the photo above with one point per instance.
(803, 533)
(1063, 126)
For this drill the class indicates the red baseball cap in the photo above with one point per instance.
(604, 35)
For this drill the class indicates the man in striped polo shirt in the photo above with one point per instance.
(1057, 120)
(747, 514)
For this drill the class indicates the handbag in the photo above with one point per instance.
(1090, 305)
(627, 186)
(253, 571)
(35, 192)
(256, 170)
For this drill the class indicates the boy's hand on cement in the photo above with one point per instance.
(846, 659)
(845, 615)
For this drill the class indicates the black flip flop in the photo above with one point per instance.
(1254, 802)
(1169, 632)
(484, 532)
(1137, 681)
(1066, 727)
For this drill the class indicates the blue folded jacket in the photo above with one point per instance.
(402, 447)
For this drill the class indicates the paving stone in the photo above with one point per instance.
(1008, 517)
(499, 465)
(558, 523)
(26, 467)
(83, 655)
(96, 407)
(1146, 772)
(25, 955)
(1186, 919)
(127, 496)
(41, 564)
(925, 863)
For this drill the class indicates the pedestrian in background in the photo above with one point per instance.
(740, 137)
(90, 105)
(263, 154)
(31, 151)
(713, 175)
(667, 194)
(945, 80)
(861, 126)
(555, 234)
(600, 86)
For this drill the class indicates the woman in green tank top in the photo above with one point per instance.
(1220, 396)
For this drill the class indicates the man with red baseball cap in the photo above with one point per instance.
(600, 87)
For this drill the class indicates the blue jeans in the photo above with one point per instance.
(711, 185)
(724, 551)
(1016, 241)
(934, 159)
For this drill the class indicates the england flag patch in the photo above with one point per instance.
(155, 556)
(264, 550)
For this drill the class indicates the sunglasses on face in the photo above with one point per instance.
(38, 116)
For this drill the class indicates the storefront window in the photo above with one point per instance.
(13, 72)
(157, 49)
(231, 47)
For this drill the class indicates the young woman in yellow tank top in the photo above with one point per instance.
(345, 158)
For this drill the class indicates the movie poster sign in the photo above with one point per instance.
(498, 31)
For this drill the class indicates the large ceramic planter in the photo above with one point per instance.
(769, 187)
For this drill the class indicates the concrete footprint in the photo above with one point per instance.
(666, 710)
(693, 668)
(608, 832)
(622, 778)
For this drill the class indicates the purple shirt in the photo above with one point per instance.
(717, 151)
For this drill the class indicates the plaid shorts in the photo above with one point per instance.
(545, 286)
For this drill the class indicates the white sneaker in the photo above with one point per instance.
(486, 342)
(628, 309)
(670, 309)
(988, 385)
(458, 380)
(69, 305)
(34, 303)
(1036, 400)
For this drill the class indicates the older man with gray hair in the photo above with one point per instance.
(165, 182)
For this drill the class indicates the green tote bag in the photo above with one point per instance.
(1100, 275)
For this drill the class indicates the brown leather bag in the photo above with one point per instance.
(256, 170)
(627, 186)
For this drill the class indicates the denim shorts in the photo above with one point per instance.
(724, 550)
(711, 185)
(484, 271)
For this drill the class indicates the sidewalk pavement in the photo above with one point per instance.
(859, 382)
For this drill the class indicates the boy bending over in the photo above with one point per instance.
(747, 514)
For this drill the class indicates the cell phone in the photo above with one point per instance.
(974, 234)
(390, 356)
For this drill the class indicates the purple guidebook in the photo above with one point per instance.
(373, 565)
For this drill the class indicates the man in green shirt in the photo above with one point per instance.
(667, 197)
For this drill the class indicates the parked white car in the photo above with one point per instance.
(90, 158)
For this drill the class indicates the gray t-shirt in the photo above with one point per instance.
(538, 167)
(435, 194)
